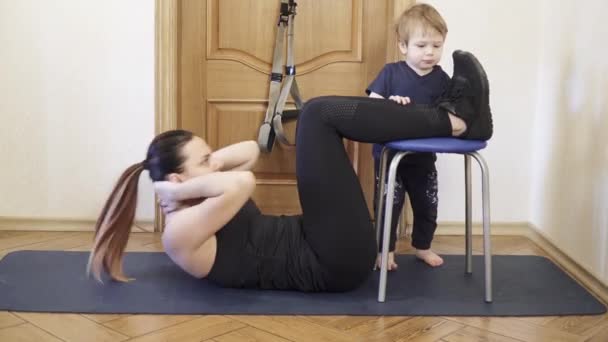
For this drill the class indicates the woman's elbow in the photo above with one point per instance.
(247, 181)
(255, 150)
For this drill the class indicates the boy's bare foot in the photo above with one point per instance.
(392, 265)
(429, 257)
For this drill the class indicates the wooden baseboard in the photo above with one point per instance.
(585, 276)
(61, 225)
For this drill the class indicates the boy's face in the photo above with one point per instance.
(423, 50)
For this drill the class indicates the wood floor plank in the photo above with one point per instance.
(538, 320)
(71, 240)
(195, 330)
(418, 329)
(428, 329)
(249, 334)
(152, 247)
(72, 327)
(138, 242)
(342, 322)
(294, 328)
(599, 336)
(449, 244)
(470, 334)
(517, 329)
(601, 326)
(7, 319)
(376, 325)
(143, 239)
(454, 245)
(22, 239)
(529, 248)
(137, 325)
(505, 244)
(26, 333)
(579, 325)
(10, 233)
(102, 318)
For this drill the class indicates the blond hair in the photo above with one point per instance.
(419, 16)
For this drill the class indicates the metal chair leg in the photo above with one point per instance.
(390, 194)
(468, 216)
(379, 193)
(487, 250)
(387, 206)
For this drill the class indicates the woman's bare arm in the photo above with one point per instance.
(238, 157)
(188, 229)
(205, 186)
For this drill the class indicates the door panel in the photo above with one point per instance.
(225, 58)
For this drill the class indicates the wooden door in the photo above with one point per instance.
(225, 55)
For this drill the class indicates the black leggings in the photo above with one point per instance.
(336, 221)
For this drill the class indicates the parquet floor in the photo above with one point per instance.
(36, 327)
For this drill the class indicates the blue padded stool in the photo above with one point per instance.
(468, 148)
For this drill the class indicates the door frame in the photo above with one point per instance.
(166, 54)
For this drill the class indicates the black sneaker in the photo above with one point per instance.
(468, 96)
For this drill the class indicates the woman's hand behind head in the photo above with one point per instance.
(167, 195)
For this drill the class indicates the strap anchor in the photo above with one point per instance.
(282, 83)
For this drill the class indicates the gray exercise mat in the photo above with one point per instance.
(54, 281)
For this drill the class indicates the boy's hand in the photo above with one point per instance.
(400, 99)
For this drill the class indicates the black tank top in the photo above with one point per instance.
(267, 252)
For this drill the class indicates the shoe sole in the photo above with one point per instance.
(472, 64)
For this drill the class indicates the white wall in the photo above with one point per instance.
(509, 54)
(569, 197)
(549, 84)
(76, 103)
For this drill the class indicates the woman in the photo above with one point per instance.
(213, 229)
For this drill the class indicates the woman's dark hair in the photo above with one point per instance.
(114, 223)
(164, 155)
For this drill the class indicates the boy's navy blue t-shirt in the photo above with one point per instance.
(401, 80)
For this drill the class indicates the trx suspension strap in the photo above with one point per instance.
(277, 95)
